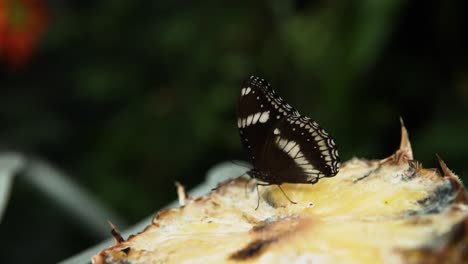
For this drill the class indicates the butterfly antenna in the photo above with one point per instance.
(240, 164)
(279, 186)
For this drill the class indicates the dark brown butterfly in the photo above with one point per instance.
(283, 145)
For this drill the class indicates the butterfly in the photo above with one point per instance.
(283, 145)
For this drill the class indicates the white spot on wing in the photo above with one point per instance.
(294, 151)
(249, 120)
(281, 143)
(312, 178)
(245, 91)
(289, 146)
(264, 117)
(321, 143)
(256, 117)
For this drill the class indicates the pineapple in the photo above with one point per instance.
(374, 211)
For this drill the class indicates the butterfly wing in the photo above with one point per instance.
(301, 151)
(258, 110)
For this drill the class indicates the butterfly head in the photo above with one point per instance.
(259, 175)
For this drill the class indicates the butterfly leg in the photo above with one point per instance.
(279, 186)
(258, 195)
(267, 184)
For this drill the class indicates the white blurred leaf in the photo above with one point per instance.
(10, 163)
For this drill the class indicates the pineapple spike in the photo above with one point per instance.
(405, 144)
(181, 194)
(115, 233)
(405, 152)
(454, 179)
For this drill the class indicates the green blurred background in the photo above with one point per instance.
(128, 96)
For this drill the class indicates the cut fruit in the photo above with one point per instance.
(374, 211)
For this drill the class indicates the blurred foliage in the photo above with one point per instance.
(129, 96)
